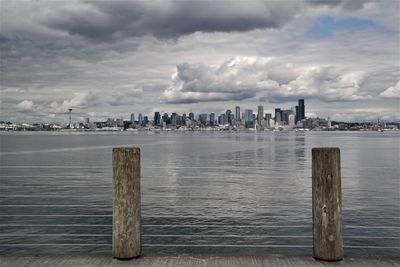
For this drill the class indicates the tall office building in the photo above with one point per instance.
(174, 118)
(119, 122)
(249, 122)
(268, 117)
(132, 117)
(157, 118)
(191, 116)
(278, 115)
(302, 110)
(140, 119)
(222, 120)
(291, 122)
(178, 120)
(285, 115)
(212, 119)
(145, 120)
(260, 115)
(237, 113)
(165, 118)
(184, 119)
(203, 119)
(228, 116)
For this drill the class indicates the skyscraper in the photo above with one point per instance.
(203, 119)
(174, 119)
(260, 115)
(222, 119)
(228, 116)
(278, 115)
(285, 115)
(184, 119)
(291, 120)
(165, 118)
(132, 117)
(302, 110)
(212, 119)
(249, 122)
(70, 111)
(191, 116)
(140, 119)
(157, 118)
(268, 117)
(237, 113)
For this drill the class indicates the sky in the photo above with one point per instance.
(108, 59)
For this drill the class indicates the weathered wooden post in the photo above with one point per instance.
(327, 204)
(126, 242)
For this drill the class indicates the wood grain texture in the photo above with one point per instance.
(327, 204)
(189, 260)
(126, 240)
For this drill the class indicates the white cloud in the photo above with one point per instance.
(79, 100)
(392, 92)
(265, 77)
(25, 106)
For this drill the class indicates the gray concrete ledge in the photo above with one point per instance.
(100, 260)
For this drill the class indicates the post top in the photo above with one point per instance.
(126, 149)
(325, 149)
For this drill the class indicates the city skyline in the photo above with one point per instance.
(111, 59)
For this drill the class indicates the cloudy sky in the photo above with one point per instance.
(112, 58)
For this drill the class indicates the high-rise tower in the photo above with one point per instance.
(237, 113)
(260, 115)
(302, 110)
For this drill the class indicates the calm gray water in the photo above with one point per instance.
(201, 192)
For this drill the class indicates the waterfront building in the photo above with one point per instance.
(271, 123)
(174, 119)
(248, 118)
(237, 113)
(302, 110)
(285, 115)
(228, 116)
(260, 115)
(110, 122)
(291, 120)
(132, 117)
(157, 118)
(222, 119)
(140, 119)
(203, 119)
(184, 119)
(278, 115)
(212, 119)
(165, 118)
(178, 120)
(145, 120)
(191, 116)
(119, 122)
(267, 118)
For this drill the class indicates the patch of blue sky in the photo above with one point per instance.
(325, 26)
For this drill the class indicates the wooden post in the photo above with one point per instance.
(327, 204)
(126, 240)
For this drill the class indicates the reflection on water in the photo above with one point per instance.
(201, 192)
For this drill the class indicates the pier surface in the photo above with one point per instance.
(100, 260)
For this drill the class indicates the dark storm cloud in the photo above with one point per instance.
(344, 4)
(103, 21)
